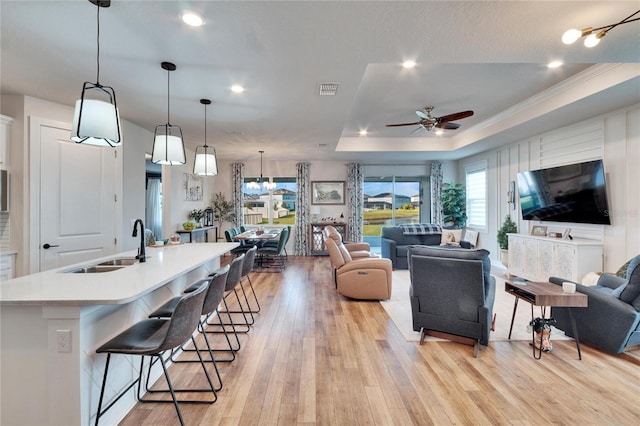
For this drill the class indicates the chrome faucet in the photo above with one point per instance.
(141, 253)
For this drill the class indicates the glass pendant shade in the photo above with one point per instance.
(205, 163)
(168, 147)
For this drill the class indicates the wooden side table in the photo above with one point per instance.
(546, 294)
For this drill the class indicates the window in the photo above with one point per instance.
(263, 206)
(391, 200)
(476, 184)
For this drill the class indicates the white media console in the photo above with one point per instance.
(538, 258)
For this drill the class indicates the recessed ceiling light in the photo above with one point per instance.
(409, 64)
(363, 132)
(555, 64)
(192, 19)
(236, 88)
(439, 132)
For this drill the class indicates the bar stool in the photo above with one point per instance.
(247, 267)
(233, 279)
(152, 337)
(215, 293)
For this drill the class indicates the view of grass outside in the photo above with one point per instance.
(389, 201)
(375, 219)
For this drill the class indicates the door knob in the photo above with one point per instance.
(48, 246)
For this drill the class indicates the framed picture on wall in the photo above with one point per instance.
(193, 187)
(539, 230)
(327, 192)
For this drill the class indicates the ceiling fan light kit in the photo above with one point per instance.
(592, 38)
(205, 163)
(168, 144)
(96, 119)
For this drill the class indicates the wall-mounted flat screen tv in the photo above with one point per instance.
(572, 193)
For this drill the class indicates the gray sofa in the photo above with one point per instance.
(394, 244)
(612, 319)
(452, 291)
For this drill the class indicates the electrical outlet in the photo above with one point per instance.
(63, 340)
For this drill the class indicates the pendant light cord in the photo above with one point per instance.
(205, 128)
(98, 43)
(168, 97)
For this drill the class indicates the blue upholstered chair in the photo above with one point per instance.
(452, 293)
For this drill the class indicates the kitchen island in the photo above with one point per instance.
(47, 380)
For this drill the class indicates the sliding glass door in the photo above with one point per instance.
(392, 200)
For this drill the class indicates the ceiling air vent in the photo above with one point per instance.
(328, 89)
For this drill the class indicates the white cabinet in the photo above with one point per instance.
(5, 133)
(538, 258)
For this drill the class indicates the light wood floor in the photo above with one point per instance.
(314, 357)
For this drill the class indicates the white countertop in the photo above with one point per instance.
(55, 287)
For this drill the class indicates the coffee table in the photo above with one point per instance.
(545, 294)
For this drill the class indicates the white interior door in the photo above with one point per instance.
(77, 199)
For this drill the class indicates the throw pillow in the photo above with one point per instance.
(451, 237)
(622, 272)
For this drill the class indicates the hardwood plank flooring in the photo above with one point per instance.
(314, 357)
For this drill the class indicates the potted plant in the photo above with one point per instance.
(508, 227)
(196, 215)
(222, 211)
(454, 205)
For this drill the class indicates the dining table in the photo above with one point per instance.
(256, 235)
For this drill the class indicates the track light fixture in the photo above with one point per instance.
(593, 35)
(205, 163)
(96, 120)
(168, 146)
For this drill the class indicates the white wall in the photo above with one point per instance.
(614, 137)
(175, 208)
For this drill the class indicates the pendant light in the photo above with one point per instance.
(265, 183)
(256, 184)
(168, 146)
(96, 120)
(205, 163)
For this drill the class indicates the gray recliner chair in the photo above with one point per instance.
(611, 321)
(452, 293)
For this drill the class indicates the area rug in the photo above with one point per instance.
(399, 310)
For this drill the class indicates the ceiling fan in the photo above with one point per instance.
(428, 121)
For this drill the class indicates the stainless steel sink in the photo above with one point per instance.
(120, 261)
(95, 269)
(105, 266)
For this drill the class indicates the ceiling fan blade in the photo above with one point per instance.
(448, 126)
(455, 116)
(422, 114)
(403, 124)
(418, 128)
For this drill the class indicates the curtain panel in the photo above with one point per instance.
(237, 179)
(303, 206)
(436, 192)
(355, 200)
